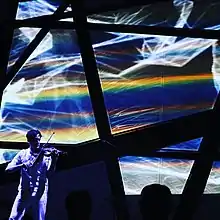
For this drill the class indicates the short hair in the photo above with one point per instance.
(31, 134)
(155, 197)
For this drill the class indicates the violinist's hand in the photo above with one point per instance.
(54, 153)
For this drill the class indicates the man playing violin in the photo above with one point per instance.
(35, 168)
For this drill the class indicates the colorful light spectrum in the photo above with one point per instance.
(49, 92)
(145, 79)
(160, 77)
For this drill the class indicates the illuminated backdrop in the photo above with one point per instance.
(145, 79)
(140, 171)
(156, 78)
(49, 92)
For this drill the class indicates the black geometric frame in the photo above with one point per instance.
(181, 129)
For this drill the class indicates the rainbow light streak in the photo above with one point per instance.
(49, 92)
(159, 78)
(145, 79)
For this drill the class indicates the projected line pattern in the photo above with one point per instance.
(36, 8)
(49, 93)
(145, 79)
(140, 171)
(190, 59)
(139, 58)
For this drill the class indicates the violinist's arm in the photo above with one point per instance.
(15, 164)
(11, 168)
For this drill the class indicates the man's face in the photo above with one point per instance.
(35, 143)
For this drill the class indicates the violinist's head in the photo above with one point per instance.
(33, 138)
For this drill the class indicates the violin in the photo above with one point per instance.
(48, 150)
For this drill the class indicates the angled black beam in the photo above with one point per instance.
(201, 168)
(152, 138)
(32, 46)
(8, 11)
(91, 72)
(149, 139)
(99, 109)
(46, 22)
(121, 28)
(174, 154)
(155, 30)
